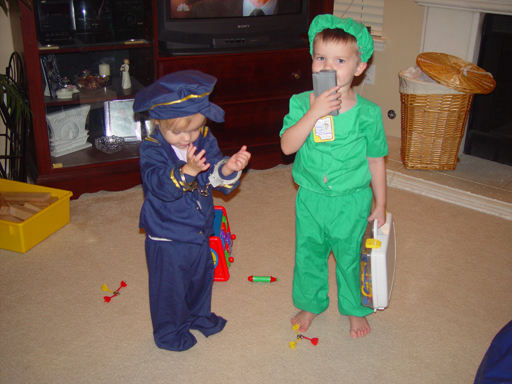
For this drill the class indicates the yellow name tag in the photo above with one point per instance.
(324, 130)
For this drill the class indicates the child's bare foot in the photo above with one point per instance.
(304, 319)
(359, 327)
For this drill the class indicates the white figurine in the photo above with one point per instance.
(125, 75)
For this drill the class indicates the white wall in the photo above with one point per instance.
(6, 46)
(402, 29)
(6, 49)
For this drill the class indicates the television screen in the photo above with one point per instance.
(216, 26)
(231, 8)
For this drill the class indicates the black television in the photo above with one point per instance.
(188, 27)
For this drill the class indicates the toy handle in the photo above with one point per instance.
(375, 228)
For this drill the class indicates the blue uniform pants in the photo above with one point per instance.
(180, 292)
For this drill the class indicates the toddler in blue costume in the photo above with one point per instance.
(337, 159)
(179, 163)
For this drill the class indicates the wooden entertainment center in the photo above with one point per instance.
(253, 88)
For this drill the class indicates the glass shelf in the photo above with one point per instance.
(112, 92)
(92, 155)
(130, 44)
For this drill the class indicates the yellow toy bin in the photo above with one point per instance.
(20, 237)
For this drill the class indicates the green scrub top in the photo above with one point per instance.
(338, 167)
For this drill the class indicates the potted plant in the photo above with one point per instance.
(12, 3)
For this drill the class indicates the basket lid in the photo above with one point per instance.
(456, 73)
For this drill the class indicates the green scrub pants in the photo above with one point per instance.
(325, 223)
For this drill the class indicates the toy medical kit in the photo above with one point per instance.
(378, 257)
(295, 327)
(221, 245)
(114, 293)
(262, 279)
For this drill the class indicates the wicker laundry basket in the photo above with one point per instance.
(434, 114)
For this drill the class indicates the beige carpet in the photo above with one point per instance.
(452, 294)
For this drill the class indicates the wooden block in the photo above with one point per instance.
(10, 218)
(38, 204)
(21, 212)
(26, 196)
(4, 207)
(52, 199)
(32, 207)
(44, 204)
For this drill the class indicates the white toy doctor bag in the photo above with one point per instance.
(378, 256)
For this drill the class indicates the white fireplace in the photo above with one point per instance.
(455, 26)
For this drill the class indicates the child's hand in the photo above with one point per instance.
(237, 162)
(195, 163)
(326, 102)
(378, 213)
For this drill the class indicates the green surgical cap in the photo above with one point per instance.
(358, 30)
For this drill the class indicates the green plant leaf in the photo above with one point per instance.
(10, 96)
(14, 5)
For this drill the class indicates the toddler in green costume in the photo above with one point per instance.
(337, 158)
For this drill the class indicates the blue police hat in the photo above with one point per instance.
(179, 94)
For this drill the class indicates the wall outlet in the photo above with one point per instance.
(369, 75)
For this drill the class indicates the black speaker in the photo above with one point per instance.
(93, 21)
(128, 19)
(55, 21)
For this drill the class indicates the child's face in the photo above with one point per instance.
(342, 57)
(181, 135)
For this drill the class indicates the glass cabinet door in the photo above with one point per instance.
(88, 99)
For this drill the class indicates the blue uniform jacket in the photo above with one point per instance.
(168, 211)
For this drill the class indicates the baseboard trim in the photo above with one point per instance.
(451, 195)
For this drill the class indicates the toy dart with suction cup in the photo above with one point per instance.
(114, 293)
(295, 327)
